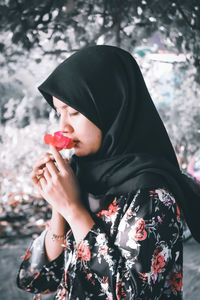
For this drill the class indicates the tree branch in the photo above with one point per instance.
(184, 15)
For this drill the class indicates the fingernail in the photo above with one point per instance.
(40, 171)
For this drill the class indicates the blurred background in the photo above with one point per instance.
(35, 36)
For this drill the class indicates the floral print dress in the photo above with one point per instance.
(134, 251)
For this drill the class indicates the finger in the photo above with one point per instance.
(53, 170)
(37, 184)
(42, 161)
(39, 187)
(35, 180)
(38, 170)
(47, 174)
(59, 160)
(42, 183)
(44, 157)
(34, 175)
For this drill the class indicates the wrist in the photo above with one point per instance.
(74, 213)
(57, 224)
(56, 237)
(80, 221)
(57, 217)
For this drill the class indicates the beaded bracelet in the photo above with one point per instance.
(56, 237)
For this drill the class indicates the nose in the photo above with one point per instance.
(65, 125)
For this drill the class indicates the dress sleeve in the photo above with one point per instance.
(36, 274)
(135, 257)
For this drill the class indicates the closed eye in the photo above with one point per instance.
(73, 114)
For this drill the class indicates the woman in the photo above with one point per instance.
(115, 231)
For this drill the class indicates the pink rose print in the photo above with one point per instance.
(176, 281)
(112, 208)
(140, 232)
(159, 263)
(83, 252)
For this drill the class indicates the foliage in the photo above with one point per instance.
(17, 108)
(60, 26)
(183, 116)
(176, 96)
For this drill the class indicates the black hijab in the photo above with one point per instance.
(105, 84)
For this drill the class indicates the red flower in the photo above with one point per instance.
(158, 263)
(83, 252)
(88, 276)
(153, 193)
(103, 250)
(59, 141)
(140, 232)
(112, 208)
(63, 294)
(120, 291)
(176, 281)
(37, 275)
(105, 280)
(178, 212)
(143, 276)
(27, 254)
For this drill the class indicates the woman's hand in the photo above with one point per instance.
(56, 182)
(38, 169)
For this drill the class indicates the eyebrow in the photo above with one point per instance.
(63, 106)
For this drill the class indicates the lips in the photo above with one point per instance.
(65, 134)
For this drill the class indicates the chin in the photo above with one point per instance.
(79, 152)
(83, 154)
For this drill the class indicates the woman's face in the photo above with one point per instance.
(77, 127)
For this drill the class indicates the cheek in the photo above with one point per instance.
(81, 126)
(95, 138)
(99, 137)
(87, 131)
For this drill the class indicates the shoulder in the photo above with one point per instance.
(161, 193)
(143, 203)
(147, 201)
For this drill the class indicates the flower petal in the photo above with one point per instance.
(59, 141)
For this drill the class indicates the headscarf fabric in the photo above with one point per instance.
(105, 84)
